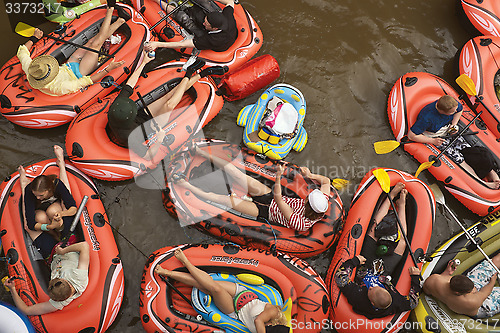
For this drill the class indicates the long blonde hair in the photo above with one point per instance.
(280, 319)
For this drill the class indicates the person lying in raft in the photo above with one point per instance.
(382, 238)
(68, 280)
(269, 204)
(48, 206)
(440, 118)
(124, 118)
(473, 294)
(256, 315)
(45, 74)
(376, 297)
(212, 31)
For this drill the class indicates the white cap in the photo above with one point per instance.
(318, 201)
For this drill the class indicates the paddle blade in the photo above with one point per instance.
(467, 84)
(422, 167)
(24, 29)
(384, 147)
(339, 183)
(383, 179)
(438, 195)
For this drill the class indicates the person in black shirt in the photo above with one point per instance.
(377, 298)
(214, 30)
(124, 116)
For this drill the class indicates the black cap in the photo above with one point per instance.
(217, 20)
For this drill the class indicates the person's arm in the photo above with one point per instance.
(30, 310)
(132, 80)
(23, 53)
(102, 73)
(153, 149)
(323, 180)
(425, 139)
(29, 208)
(82, 248)
(151, 46)
(67, 199)
(349, 289)
(285, 209)
(457, 115)
(410, 302)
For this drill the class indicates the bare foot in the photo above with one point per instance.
(23, 180)
(494, 184)
(162, 271)
(59, 152)
(397, 188)
(402, 197)
(181, 257)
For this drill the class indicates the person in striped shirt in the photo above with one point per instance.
(266, 203)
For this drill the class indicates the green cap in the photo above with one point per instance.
(122, 112)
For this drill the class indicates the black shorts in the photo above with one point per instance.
(368, 251)
(263, 202)
(45, 243)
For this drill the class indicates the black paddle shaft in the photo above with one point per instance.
(168, 15)
(402, 231)
(461, 133)
(80, 46)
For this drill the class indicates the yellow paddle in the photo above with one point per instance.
(467, 84)
(469, 87)
(427, 165)
(385, 183)
(24, 29)
(27, 30)
(384, 147)
(339, 183)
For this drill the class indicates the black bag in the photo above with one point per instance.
(388, 226)
(480, 159)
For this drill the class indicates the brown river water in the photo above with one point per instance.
(344, 56)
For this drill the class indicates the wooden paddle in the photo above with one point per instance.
(440, 199)
(27, 30)
(385, 183)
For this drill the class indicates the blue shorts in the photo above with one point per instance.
(481, 275)
(75, 68)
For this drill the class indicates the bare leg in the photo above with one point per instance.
(169, 102)
(254, 187)
(384, 208)
(243, 206)
(63, 176)
(491, 184)
(401, 209)
(223, 298)
(89, 60)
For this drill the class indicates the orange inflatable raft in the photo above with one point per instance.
(484, 15)
(31, 108)
(96, 309)
(479, 60)
(164, 310)
(247, 44)
(229, 224)
(420, 211)
(93, 152)
(409, 95)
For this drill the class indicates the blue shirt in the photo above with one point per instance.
(429, 119)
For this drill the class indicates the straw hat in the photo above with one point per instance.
(42, 70)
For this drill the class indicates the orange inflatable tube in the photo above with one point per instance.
(93, 152)
(31, 108)
(96, 309)
(420, 211)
